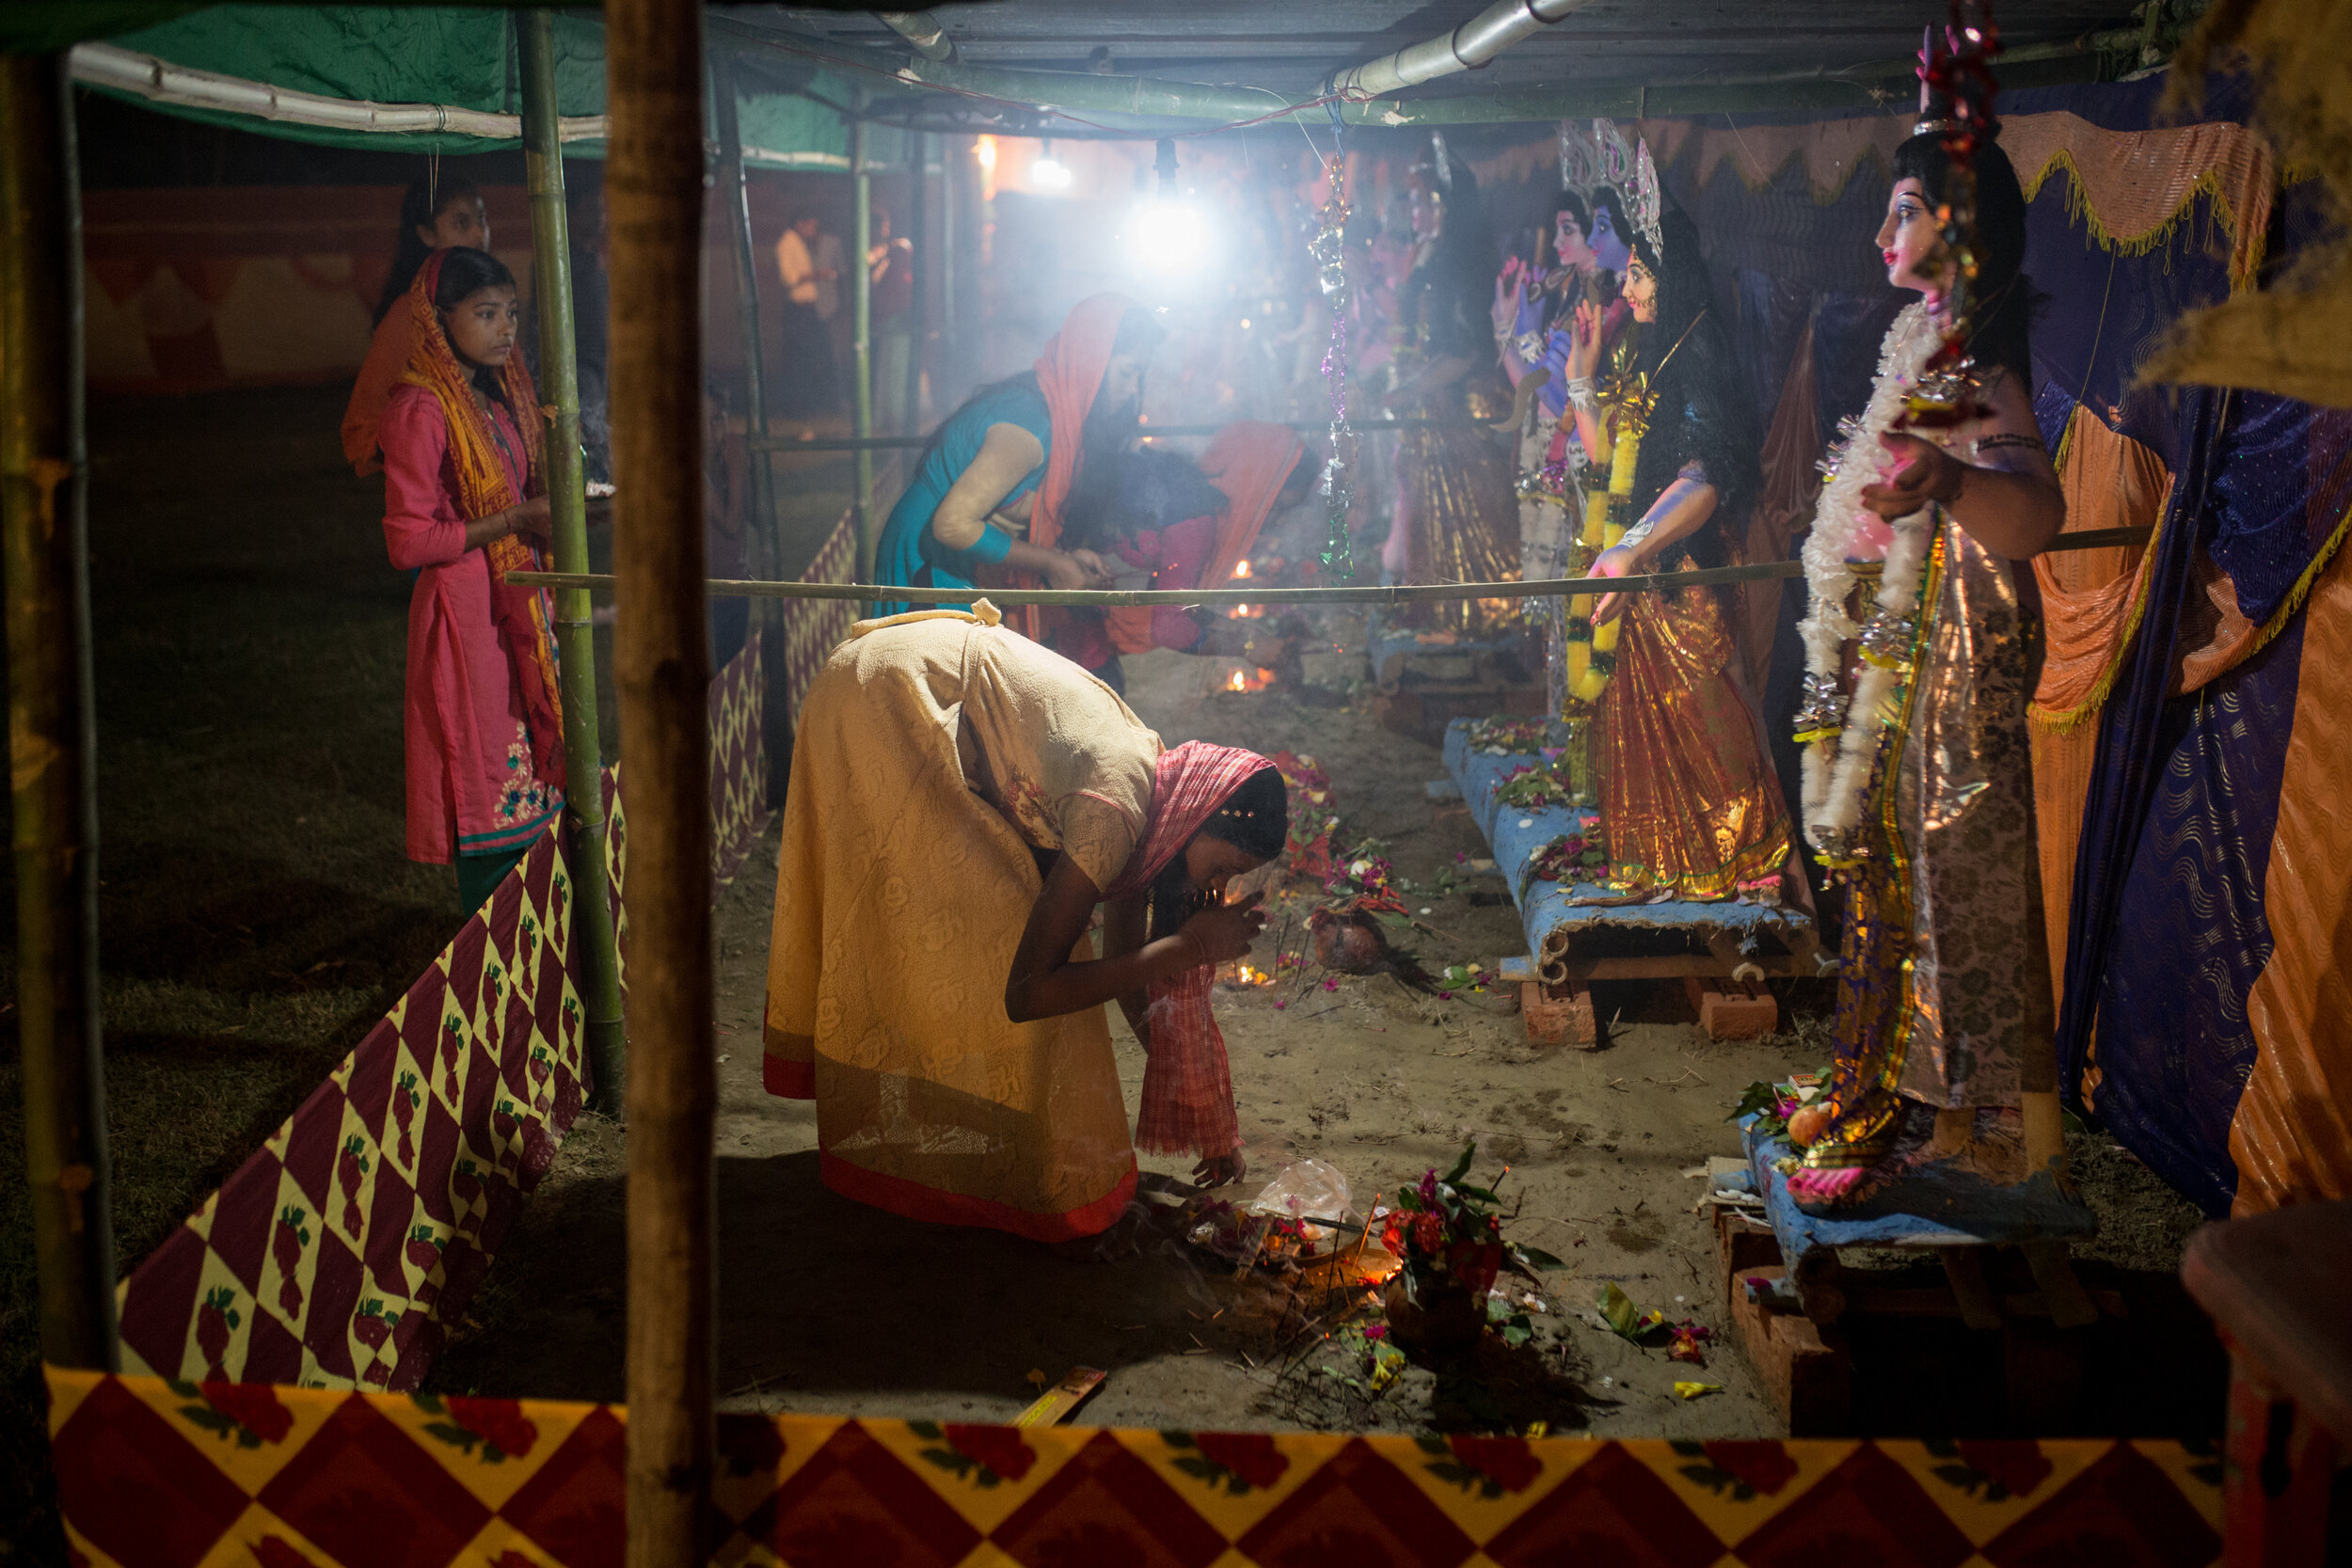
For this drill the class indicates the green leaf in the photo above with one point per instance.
(454, 1436)
(928, 1431)
(1958, 1476)
(1178, 1440)
(430, 1403)
(1202, 1468)
(1433, 1445)
(186, 1391)
(1462, 1166)
(1687, 1449)
(1535, 1257)
(1758, 1098)
(206, 1417)
(1483, 1194)
(1517, 1333)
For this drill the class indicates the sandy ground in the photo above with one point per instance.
(825, 1305)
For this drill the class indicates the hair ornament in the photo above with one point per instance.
(1649, 205)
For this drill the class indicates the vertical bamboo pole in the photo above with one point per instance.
(52, 722)
(735, 190)
(862, 337)
(948, 375)
(661, 664)
(920, 329)
(583, 743)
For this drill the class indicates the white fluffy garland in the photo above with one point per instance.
(1837, 768)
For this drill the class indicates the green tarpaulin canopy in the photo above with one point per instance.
(460, 58)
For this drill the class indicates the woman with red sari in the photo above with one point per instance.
(961, 800)
(463, 497)
(1188, 526)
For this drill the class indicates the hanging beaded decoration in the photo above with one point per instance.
(1329, 250)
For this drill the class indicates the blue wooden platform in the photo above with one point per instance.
(1933, 1208)
(1549, 911)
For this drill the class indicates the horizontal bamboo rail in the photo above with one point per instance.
(1392, 594)
(877, 443)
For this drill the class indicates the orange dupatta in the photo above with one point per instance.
(523, 614)
(1068, 373)
(1250, 462)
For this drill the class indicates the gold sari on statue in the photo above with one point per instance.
(1688, 798)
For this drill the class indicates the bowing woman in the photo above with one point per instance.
(989, 489)
(464, 499)
(961, 800)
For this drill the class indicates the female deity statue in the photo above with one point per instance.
(1916, 785)
(1454, 520)
(1534, 313)
(1687, 799)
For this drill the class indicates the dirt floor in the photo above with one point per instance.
(257, 917)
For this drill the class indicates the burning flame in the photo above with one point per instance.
(1241, 568)
(1249, 680)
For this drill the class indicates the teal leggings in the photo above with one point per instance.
(479, 876)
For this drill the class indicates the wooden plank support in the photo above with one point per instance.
(2071, 1306)
(661, 667)
(1963, 1268)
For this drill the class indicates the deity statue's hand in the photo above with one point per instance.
(1510, 300)
(1615, 561)
(1923, 472)
(1584, 341)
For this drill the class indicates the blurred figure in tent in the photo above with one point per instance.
(809, 377)
(891, 308)
(1454, 520)
(1187, 526)
(436, 212)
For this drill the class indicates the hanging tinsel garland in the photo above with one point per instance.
(1329, 250)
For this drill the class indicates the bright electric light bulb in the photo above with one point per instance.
(1048, 175)
(984, 150)
(1167, 235)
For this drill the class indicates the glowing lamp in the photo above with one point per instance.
(1048, 175)
(1166, 236)
(984, 151)
(1241, 568)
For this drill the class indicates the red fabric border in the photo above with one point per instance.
(788, 1080)
(915, 1201)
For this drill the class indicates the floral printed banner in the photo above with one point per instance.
(337, 1254)
(169, 1475)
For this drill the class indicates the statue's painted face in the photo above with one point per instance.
(1607, 247)
(1911, 242)
(1641, 291)
(1567, 243)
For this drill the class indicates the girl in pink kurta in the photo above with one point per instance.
(484, 760)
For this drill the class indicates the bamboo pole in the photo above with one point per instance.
(1220, 598)
(735, 190)
(862, 337)
(895, 443)
(575, 636)
(661, 663)
(52, 722)
(921, 246)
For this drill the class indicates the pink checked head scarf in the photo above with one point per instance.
(1187, 1084)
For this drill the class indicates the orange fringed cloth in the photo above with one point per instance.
(1070, 374)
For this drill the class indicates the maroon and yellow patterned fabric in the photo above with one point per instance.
(335, 1255)
(155, 1475)
(738, 760)
(813, 627)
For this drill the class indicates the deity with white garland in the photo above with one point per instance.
(1917, 783)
